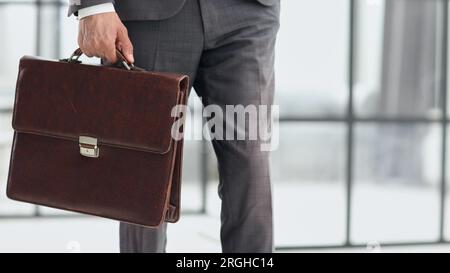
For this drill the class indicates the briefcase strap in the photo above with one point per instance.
(74, 58)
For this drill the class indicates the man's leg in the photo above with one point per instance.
(237, 69)
(172, 45)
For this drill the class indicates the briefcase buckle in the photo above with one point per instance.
(88, 146)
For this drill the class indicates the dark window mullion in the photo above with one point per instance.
(350, 122)
(444, 120)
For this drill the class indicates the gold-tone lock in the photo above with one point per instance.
(88, 146)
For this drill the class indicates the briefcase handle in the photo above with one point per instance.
(121, 62)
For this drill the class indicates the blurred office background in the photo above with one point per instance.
(363, 154)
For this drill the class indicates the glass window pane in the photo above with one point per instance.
(398, 58)
(69, 33)
(447, 193)
(311, 57)
(191, 194)
(397, 180)
(308, 174)
(16, 46)
(7, 206)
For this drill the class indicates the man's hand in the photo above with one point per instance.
(99, 35)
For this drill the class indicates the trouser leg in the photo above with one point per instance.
(237, 68)
(172, 45)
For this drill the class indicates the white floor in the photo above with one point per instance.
(90, 234)
(305, 214)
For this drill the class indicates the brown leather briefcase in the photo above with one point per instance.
(97, 140)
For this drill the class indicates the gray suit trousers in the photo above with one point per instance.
(227, 49)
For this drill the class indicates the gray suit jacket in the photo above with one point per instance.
(144, 9)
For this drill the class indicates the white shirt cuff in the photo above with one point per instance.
(96, 9)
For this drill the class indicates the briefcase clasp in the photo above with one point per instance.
(88, 146)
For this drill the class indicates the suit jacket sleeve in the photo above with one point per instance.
(75, 5)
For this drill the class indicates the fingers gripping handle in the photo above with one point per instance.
(122, 60)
